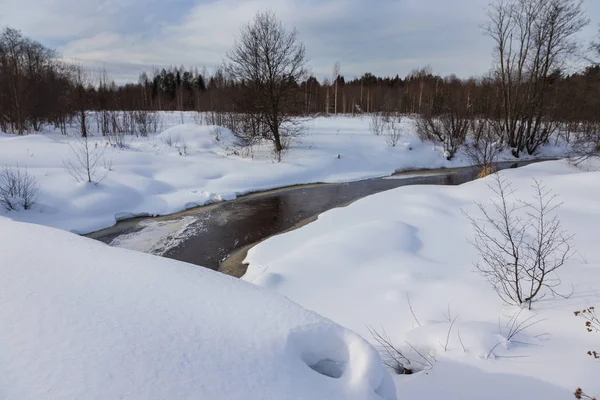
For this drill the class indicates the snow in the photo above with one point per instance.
(82, 320)
(158, 237)
(184, 166)
(367, 264)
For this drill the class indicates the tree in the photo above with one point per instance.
(533, 41)
(85, 161)
(520, 254)
(336, 79)
(269, 63)
(446, 121)
(81, 98)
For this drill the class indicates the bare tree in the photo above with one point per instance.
(586, 142)
(521, 244)
(81, 100)
(533, 41)
(336, 75)
(86, 160)
(269, 63)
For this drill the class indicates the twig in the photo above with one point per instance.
(460, 340)
(422, 356)
(412, 311)
(445, 347)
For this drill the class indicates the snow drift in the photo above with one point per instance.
(81, 320)
(368, 264)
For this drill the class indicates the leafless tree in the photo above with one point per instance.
(86, 160)
(269, 63)
(533, 41)
(521, 244)
(81, 99)
(586, 142)
(18, 189)
(449, 128)
(335, 76)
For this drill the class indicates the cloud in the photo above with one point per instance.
(385, 37)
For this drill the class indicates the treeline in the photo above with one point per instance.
(526, 97)
(34, 87)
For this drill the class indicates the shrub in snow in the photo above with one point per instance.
(449, 127)
(85, 161)
(394, 132)
(393, 357)
(18, 189)
(521, 244)
(376, 124)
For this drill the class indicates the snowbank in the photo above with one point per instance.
(81, 320)
(185, 166)
(367, 264)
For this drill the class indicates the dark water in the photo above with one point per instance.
(226, 227)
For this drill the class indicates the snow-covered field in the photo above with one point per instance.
(367, 264)
(184, 166)
(82, 320)
(79, 319)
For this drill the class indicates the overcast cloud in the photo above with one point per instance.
(385, 37)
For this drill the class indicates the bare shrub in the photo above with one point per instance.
(449, 129)
(376, 124)
(586, 142)
(18, 189)
(145, 122)
(395, 358)
(392, 356)
(520, 254)
(393, 132)
(85, 161)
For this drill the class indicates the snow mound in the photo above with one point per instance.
(83, 320)
(399, 262)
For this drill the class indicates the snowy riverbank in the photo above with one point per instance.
(184, 166)
(367, 264)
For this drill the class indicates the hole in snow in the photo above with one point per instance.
(328, 367)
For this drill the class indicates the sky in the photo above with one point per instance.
(384, 37)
